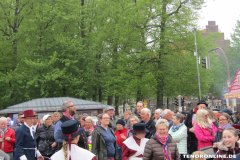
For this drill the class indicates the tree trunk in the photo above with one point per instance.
(167, 103)
(100, 94)
(95, 94)
(124, 103)
(160, 76)
(110, 100)
(139, 97)
(116, 104)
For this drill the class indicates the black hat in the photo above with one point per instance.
(69, 130)
(120, 121)
(226, 110)
(139, 128)
(202, 102)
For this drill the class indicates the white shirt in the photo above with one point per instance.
(34, 127)
(23, 157)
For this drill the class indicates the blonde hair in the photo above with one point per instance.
(200, 118)
(162, 122)
(212, 115)
(198, 153)
(65, 149)
(127, 112)
(135, 117)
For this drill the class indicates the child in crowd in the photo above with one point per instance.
(229, 147)
(198, 155)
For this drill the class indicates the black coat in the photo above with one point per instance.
(191, 139)
(83, 140)
(150, 126)
(44, 139)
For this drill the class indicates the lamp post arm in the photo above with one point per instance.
(226, 63)
(225, 59)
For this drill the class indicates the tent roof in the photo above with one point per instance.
(235, 87)
(52, 105)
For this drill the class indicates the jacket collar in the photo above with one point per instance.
(148, 122)
(222, 147)
(99, 130)
(122, 130)
(136, 112)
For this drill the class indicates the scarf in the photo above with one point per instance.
(65, 114)
(3, 131)
(221, 128)
(175, 128)
(166, 151)
(92, 128)
(195, 110)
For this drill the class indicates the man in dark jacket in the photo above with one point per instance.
(150, 124)
(69, 112)
(26, 147)
(137, 112)
(192, 142)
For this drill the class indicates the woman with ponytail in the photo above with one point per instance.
(70, 150)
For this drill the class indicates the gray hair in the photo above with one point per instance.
(56, 113)
(147, 111)
(135, 117)
(179, 117)
(65, 105)
(88, 119)
(162, 122)
(165, 112)
(3, 119)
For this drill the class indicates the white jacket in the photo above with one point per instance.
(180, 135)
(76, 154)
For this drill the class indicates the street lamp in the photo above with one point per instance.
(228, 82)
(199, 86)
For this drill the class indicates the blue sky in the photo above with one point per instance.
(224, 12)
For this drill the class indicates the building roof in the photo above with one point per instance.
(235, 87)
(52, 105)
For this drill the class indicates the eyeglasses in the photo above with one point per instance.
(105, 118)
(222, 120)
(71, 106)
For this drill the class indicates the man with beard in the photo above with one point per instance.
(68, 114)
(20, 120)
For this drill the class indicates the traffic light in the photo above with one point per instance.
(182, 102)
(204, 62)
(176, 101)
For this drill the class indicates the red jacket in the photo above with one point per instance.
(118, 134)
(8, 145)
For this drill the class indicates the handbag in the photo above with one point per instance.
(207, 150)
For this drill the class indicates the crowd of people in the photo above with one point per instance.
(141, 135)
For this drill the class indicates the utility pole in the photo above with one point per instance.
(197, 65)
